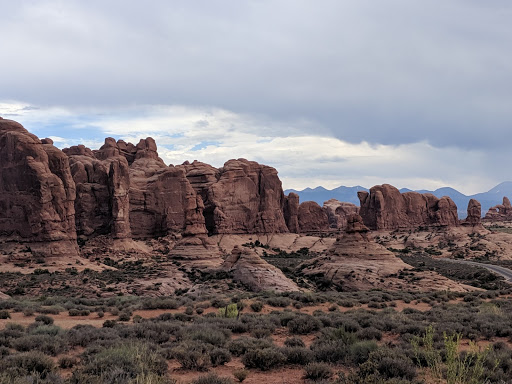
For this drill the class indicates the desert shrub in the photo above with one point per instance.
(298, 355)
(84, 335)
(240, 346)
(135, 360)
(66, 362)
(4, 351)
(79, 312)
(230, 311)
(303, 325)
(278, 301)
(294, 342)
(264, 359)
(219, 356)
(317, 371)
(388, 364)
(370, 333)
(160, 303)
(51, 310)
(124, 316)
(203, 333)
(51, 330)
(241, 374)
(218, 303)
(4, 314)
(193, 355)
(261, 333)
(257, 306)
(44, 319)
(44, 343)
(212, 378)
(360, 351)
(189, 310)
(109, 323)
(28, 363)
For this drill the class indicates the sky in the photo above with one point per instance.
(415, 93)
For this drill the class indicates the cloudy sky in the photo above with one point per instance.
(416, 93)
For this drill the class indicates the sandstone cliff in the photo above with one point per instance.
(384, 207)
(241, 197)
(37, 193)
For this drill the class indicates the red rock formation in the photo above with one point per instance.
(474, 213)
(384, 207)
(337, 212)
(37, 193)
(102, 182)
(312, 218)
(291, 212)
(241, 197)
(162, 201)
(500, 212)
(354, 261)
(254, 272)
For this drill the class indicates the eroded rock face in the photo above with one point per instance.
(384, 207)
(162, 201)
(291, 212)
(37, 193)
(254, 272)
(337, 212)
(474, 213)
(128, 191)
(500, 212)
(312, 218)
(102, 183)
(241, 197)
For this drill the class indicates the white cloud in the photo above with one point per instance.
(214, 135)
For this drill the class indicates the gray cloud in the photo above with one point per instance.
(388, 71)
(385, 72)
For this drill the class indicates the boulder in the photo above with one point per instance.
(384, 207)
(251, 270)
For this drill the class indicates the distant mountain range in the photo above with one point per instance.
(349, 194)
